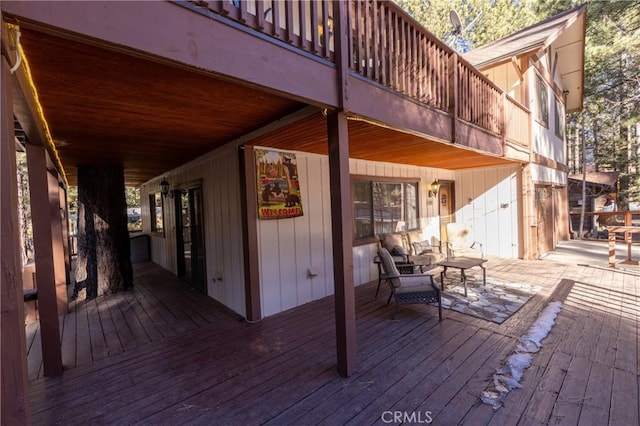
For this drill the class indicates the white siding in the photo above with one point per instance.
(288, 248)
(219, 175)
(544, 140)
(487, 199)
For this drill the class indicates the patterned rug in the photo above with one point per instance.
(496, 301)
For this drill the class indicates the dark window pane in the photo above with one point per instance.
(387, 207)
(384, 207)
(411, 205)
(362, 209)
(542, 101)
(156, 215)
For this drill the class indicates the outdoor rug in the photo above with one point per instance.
(496, 301)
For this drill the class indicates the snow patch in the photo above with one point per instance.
(508, 376)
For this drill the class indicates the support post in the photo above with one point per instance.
(342, 232)
(64, 212)
(14, 398)
(340, 188)
(250, 234)
(42, 201)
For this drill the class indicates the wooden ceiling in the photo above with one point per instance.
(107, 107)
(369, 141)
(103, 106)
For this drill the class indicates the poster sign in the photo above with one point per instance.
(278, 186)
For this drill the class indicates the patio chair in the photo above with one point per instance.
(409, 289)
(460, 242)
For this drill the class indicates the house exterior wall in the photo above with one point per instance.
(545, 142)
(288, 248)
(218, 173)
(505, 77)
(489, 200)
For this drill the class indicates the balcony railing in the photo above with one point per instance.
(389, 47)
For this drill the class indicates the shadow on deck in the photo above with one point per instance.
(183, 359)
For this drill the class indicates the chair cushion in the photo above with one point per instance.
(389, 267)
(416, 289)
(399, 250)
(422, 247)
(390, 241)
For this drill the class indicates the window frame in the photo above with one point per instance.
(542, 105)
(155, 201)
(559, 119)
(371, 180)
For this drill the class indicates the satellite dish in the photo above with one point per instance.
(455, 21)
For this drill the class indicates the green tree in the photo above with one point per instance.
(483, 21)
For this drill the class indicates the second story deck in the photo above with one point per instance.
(400, 86)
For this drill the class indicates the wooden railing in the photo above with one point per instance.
(388, 46)
(479, 100)
(595, 223)
(307, 25)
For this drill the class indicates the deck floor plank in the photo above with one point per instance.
(99, 348)
(597, 398)
(163, 354)
(369, 355)
(572, 394)
(540, 406)
(83, 334)
(111, 338)
(624, 406)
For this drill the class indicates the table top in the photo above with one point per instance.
(620, 228)
(462, 262)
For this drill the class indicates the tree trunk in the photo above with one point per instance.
(104, 253)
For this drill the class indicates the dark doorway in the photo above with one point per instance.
(446, 206)
(190, 237)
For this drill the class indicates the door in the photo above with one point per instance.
(190, 237)
(446, 207)
(544, 212)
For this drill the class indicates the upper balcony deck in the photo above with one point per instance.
(412, 99)
(388, 48)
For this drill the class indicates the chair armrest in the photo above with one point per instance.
(413, 280)
(477, 245)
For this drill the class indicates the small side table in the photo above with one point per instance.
(463, 263)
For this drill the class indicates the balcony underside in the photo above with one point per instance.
(105, 104)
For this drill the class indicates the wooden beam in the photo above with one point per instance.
(341, 40)
(43, 202)
(64, 212)
(516, 66)
(14, 398)
(250, 234)
(342, 232)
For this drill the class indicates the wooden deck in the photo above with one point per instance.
(164, 355)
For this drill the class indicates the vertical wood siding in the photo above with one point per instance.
(289, 247)
(219, 175)
(487, 199)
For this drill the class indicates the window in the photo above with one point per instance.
(382, 207)
(542, 102)
(559, 119)
(156, 213)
